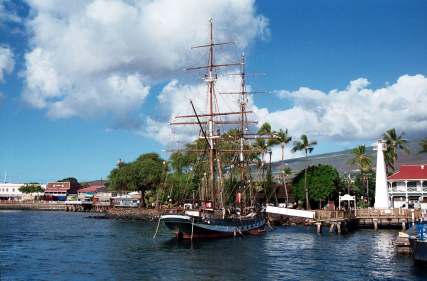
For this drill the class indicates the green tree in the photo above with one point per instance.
(282, 138)
(31, 188)
(262, 144)
(364, 185)
(423, 144)
(360, 159)
(307, 146)
(231, 187)
(394, 142)
(286, 172)
(145, 173)
(178, 161)
(268, 185)
(178, 187)
(323, 182)
(364, 163)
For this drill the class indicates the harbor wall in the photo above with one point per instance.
(138, 213)
(43, 206)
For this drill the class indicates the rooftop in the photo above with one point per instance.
(58, 187)
(410, 172)
(92, 188)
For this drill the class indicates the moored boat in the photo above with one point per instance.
(419, 243)
(197, 227)
(219, 216)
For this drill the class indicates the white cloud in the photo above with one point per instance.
(6, 62)
(79, 47)
(355, 113)
(174, 100)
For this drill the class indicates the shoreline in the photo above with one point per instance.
(131, 214)
(36, 206)
(148, 214)
(111, 212)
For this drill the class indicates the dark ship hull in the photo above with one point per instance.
(419, 249)
(419, 242)
(192, 227)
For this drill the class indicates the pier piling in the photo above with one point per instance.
(339, 227)
(319, 227)
(375, 221)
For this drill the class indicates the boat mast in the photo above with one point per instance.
(208, 119)
(210, 79)
(242, 108)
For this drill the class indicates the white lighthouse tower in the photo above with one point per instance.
(381, 190)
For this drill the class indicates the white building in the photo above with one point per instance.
(408, 186)
(10, 191)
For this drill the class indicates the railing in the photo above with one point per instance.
(388, 213)
(367, 214)
(411, 189)
(331, 215)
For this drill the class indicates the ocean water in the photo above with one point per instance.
(71, 246)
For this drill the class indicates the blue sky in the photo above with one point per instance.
(305, 48)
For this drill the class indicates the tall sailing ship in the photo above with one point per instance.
(214, 219)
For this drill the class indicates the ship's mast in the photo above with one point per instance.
(243, 125)
(210, 79)
(209, 120)
(242, 107)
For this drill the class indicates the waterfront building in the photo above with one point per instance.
(132, 200)
(103, 198)
(408, 186)
(58, 191)
(10, 191)
(90, 191)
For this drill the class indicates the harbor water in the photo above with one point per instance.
(72, 246)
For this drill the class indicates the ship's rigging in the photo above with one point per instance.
(211, 122)
(213, 219)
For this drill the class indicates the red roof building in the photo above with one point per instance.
(58, 191)
(408, 185)
(410, 172)
(92, 189)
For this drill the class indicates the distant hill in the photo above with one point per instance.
(341, 160)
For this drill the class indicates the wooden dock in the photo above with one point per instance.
(340, 220)
(337, 220)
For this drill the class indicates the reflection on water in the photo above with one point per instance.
(68, 246)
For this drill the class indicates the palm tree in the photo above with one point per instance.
(261, 143)
(361, 160)
(282, 138)
(286, 172)
(423, 144)
(394, 143)
(307, 146)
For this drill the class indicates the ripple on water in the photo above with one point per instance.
(65, 246)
